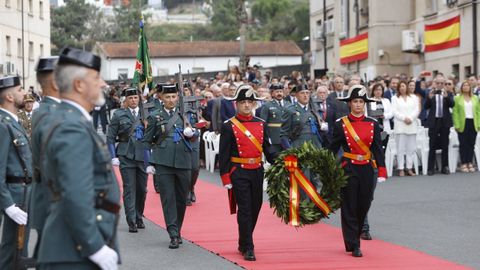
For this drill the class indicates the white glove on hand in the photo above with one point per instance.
(188, 132)
(16, 214)
(229, 186)
(381, 179)
(106, 258)
(115, 162)
(150, 170)
(324, 126)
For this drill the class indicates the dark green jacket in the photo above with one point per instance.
(78, 166)
(297, 127)
(274, 114)
(122, 130)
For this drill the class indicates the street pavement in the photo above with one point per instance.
(437, 215)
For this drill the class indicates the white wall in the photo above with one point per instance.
(170, 65)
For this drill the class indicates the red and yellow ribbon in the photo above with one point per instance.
(298, 178)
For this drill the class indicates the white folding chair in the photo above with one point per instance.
(477, 150)
(390, 154)
(215, 145)
(453, 150)
(207, 143)
(423, 148)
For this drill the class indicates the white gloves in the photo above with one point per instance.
(106, 258)
(188, 132)
(229, 186)
(16, 214)
(324, 126)
(115, 162)
(150, 170)
(381, 179)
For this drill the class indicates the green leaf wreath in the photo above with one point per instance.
(322, 165)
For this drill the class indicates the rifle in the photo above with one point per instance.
(186, 122)
(143, 112)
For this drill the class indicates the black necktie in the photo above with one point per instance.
(171, 113)
(134, 113)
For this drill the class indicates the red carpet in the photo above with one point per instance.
(278, 246)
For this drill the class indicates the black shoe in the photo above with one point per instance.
(140, 224)
(357, 253)
(180, 241)
(445, 170)
(430, 172)
(249, 255)
(193, 198)
(174, 243)
(132, 228)
(189, 202)
(365, 235)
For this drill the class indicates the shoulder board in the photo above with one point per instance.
(340, 119)
(371, 118)
(228, 120)
(259, 119)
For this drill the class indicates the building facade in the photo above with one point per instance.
(20, 47)
(396, 36)
(118, 59)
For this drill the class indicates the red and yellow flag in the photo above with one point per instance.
(442, 35)
(354, 49)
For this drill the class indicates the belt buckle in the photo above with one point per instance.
(360, 158)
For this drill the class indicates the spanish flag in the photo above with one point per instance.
(354, 49)
(442, 35)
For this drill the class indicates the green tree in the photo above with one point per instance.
(125, 24)
(224, 23)
(76, 24)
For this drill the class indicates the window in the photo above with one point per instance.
(123, 73)
(19, 4)
(9, 45)
(456, 70)
(430, 7)
(7, 3)
(319, 28)
(343, 20)
(30, 7)
(19, 48)
(41, 50)
(468, 71)
(30, 51)
(364, 13)
(41, 10)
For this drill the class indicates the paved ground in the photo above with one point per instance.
(437, 215)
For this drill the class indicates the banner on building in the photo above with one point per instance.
(442, 35)
(354, 49)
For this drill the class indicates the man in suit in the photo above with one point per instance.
(100, 112)
(341, 108)
(472, 80)
(326, 109)
(80, 229)
(391, 89)
(213, 109)
(170, 141)
(272, 112)
(25, 115)
(439, 121)
(15, 169)
(127, 129)
(39, 201)
(290, 90)
(227, 107)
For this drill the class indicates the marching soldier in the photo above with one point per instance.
(127, 128)
(39, 200)
(25, 115)
(272, 113)
(171, 157)
(359, 136)
(242, 142)
(15, 170)
(301, 123)
(80, 229)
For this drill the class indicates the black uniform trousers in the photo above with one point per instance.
(467, 140)
(134, 179)
(248, 191)
(438, 135)
(356, 200)
(173, 185)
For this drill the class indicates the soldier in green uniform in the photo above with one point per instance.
(127, 128)
(172, 158)
(25, 115)
(39, 200)
(301, 124)
(80, 229)
(273, 112)
(15, 168)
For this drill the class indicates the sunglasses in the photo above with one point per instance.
(448, 84)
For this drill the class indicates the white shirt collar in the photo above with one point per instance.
(136, 110)
(14, 116)
(53, 98)
(80, 108)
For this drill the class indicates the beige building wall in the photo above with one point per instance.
(36, 37)
(384, 20)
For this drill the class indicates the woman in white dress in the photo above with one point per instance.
(405, 110)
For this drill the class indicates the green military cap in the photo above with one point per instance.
(130, 92)
(47, 64)
(8, 82)
(78, 57)
(169, 88)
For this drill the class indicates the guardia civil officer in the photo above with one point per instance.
(242, 142)
(25, 115)
(170, 141)
(273, 113)
(15, 169)
(39, 200)
(80, 229)
(359, 137)
(127, 128)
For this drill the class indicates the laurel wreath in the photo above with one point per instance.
(323, 166)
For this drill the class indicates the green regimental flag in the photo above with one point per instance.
(143, 67)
